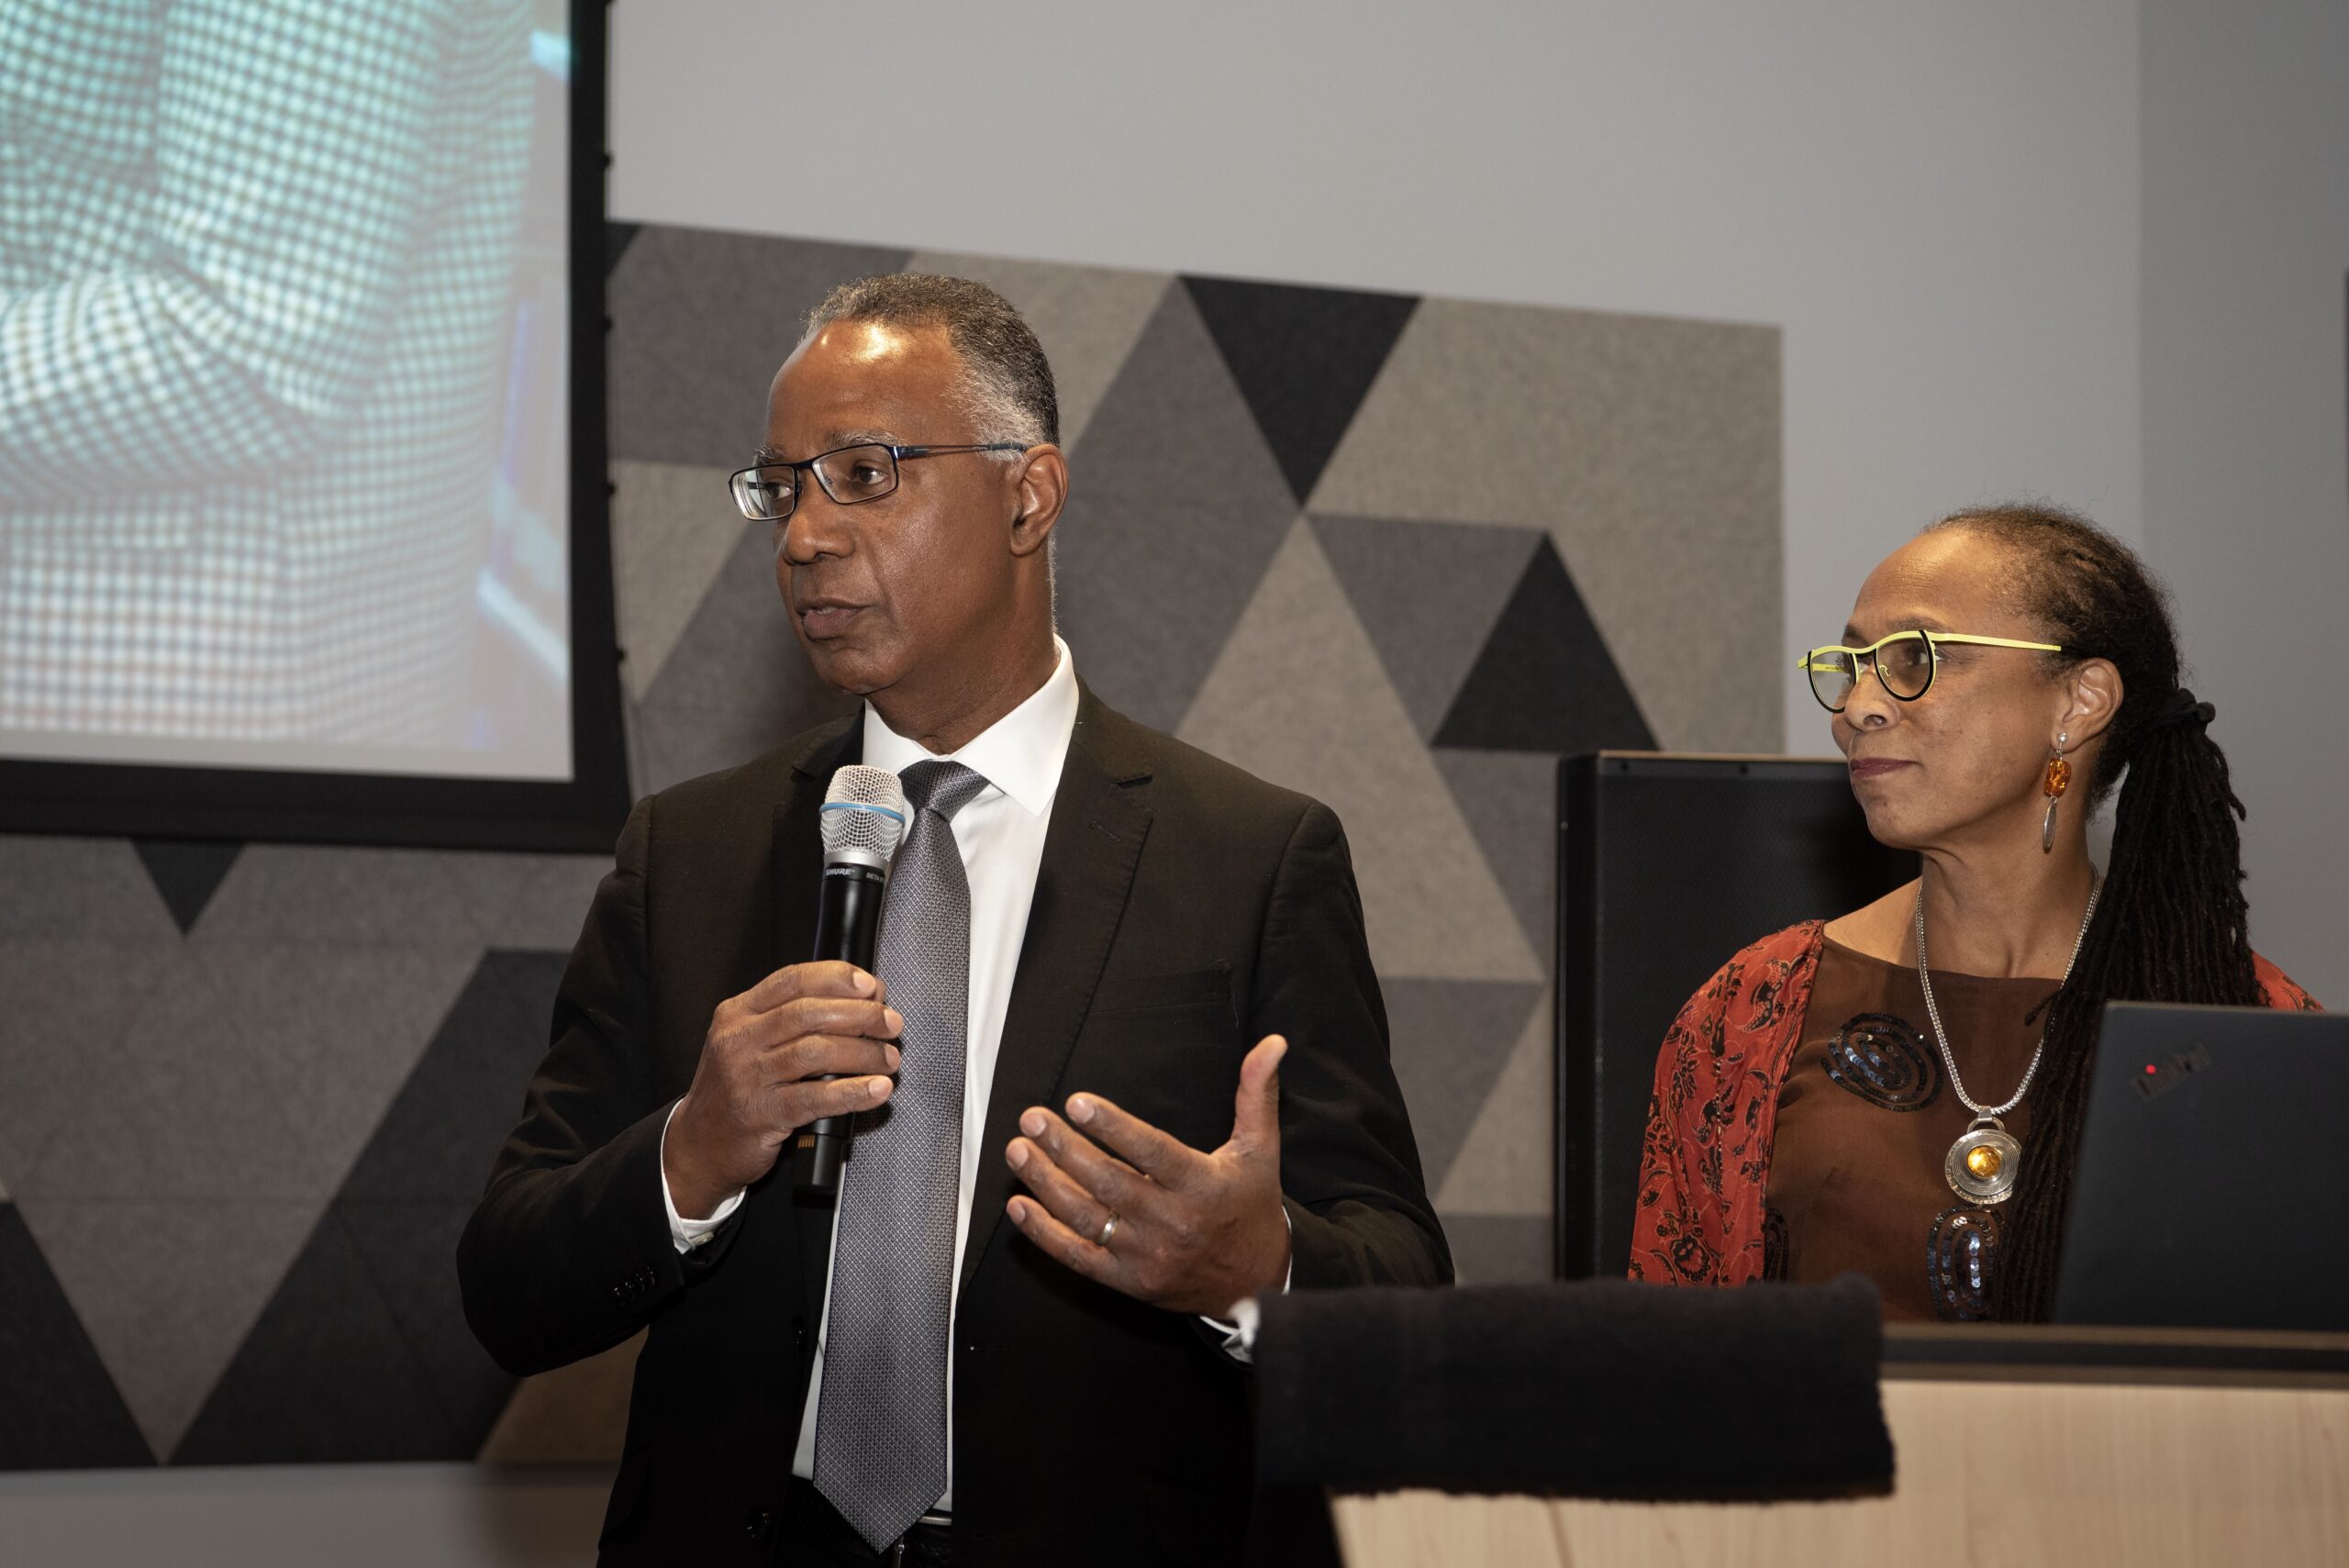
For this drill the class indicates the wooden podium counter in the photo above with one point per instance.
(1994, 1469)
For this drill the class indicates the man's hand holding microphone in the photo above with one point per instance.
(809, 1041)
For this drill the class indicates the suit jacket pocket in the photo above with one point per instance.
(1165, 1048)
(1190, 988)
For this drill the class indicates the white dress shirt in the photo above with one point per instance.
(1001, 836)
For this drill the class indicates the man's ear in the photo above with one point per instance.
(1039, 490)
(2096, 691)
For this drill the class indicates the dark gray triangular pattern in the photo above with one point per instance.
(81, 890)
(1509, 800)
(186, 872)
(68, 1004)
(1451, 1040)
(1302, 357)
(326, 1376)
(618, 236)
(438, 1138)
(59, 1409)
(1546, 680)
(167, 1288)
(376, 1283)
(701, 321)
(1176, 514)
(1429, 594)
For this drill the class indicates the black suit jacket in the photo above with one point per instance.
(1183, 910)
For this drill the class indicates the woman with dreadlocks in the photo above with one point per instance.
(1900, 1091)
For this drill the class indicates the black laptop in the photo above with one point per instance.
(2213, 1175)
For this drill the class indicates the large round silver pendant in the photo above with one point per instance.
(1982, 1166)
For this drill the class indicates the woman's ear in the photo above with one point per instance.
(2095, 690)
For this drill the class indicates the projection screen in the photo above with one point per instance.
(302, 515)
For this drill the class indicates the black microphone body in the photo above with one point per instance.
(848, 926)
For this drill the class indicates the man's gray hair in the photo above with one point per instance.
(1008, 389)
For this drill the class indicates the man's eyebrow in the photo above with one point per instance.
(832, 441)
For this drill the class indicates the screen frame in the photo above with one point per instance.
(582, 813)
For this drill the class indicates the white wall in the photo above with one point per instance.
(2091, 252)
(1937, 203)
(2247, 430)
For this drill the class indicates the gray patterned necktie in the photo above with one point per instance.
(881, 1421)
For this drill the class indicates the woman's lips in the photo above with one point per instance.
(1877, 767)
(822, 622)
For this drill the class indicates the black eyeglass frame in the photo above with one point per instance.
(737, 481)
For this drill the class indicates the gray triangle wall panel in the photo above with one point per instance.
(1304, 359)
(327, 1377)
(1451, 1040)
(59, 1409)
(1545, 681)
(1176, 510)
(1509, 800)
(187, 874)
(436, 1141)
(1429, 594)
(377, 1279)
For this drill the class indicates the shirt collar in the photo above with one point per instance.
(1019, 753)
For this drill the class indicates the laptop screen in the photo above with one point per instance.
(2211, 1172)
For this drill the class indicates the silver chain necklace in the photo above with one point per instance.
(1983, 1163)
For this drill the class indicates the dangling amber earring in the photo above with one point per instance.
(2059, 779)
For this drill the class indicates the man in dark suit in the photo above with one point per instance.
(1087, 926)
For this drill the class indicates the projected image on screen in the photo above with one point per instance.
(282, 400)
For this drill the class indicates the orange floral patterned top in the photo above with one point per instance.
(1705, 1168)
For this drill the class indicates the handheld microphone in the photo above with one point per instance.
(863, 818)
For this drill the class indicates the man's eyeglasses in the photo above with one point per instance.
(1904, 663)
(767, 492)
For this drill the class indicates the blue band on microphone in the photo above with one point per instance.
(896, 817)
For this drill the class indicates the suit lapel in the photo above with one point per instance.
(1099, 820)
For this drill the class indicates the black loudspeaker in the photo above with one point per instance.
(1667, 865)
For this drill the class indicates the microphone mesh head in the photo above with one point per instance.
(865, 810)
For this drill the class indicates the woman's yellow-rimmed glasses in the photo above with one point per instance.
(1904, 663)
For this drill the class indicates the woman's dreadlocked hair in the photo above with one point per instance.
(2171, 924)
